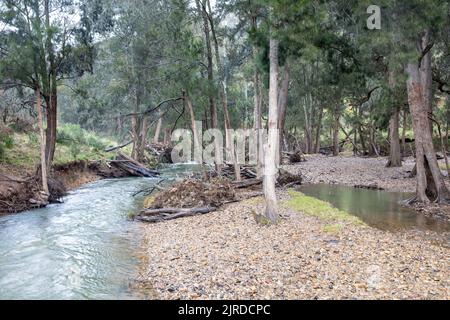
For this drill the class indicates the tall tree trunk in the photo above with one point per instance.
(134, 135)
(257, 118)
(282, 105)
(404, 128)
(157, 131)
(197, 142)
(395, 157)
(142, 139)
(52, 114)
(42, 143)
(336, 128)
(430, 182)
(223, 97)
(318, 131)
(212, 103)
(270, 167)
(50, 134)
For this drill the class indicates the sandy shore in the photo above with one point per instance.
(226, 255)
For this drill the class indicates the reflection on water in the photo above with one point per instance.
(376, 208)
(82, 249)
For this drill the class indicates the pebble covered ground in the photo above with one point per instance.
(226, 255)
(351, 171)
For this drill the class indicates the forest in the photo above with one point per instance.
(242, 149)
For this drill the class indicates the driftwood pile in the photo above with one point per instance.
(132, 167)
(189, 197)
(199, 196)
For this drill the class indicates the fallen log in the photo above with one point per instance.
(246, 183)
(165, 214)
(132, 167)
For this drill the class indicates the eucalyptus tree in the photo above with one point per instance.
(42, 46)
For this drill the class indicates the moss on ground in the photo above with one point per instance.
(318, 208)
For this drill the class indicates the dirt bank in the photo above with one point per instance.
(226, 255)
(20, 191)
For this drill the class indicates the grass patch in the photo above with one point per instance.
(318, 208)
(22, 150)
(333, 229)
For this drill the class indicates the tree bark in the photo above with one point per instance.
(157, 131)
(197, 143)
(430, 182)
(395, 157)
(318, 131)
(42, 143)
(52, 106)
(282, 105)
(223, 97)
(270, 168)
(212, 103)
(336, 128)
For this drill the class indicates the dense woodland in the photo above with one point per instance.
(315, 71)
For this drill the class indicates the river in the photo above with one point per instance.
(84, 248)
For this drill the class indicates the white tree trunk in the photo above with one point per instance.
(270, 167)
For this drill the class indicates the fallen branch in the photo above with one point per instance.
(246, 183)
(119, 147)
(165, 214)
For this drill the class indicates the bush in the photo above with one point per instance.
(6, 141)
(71, 133)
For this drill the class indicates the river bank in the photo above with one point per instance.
(227, 255)
(20, 189)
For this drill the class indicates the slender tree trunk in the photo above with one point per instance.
(134, 135)
(197, 143)
(282, 105)
(52, 110)
(142, 140)
(42, 143)
(212, 103)
(318, 131)
(395, 157)
(270, 168)
(52, 124)
(157, 131)
(405, 127)
(336, 128)
(223, 97)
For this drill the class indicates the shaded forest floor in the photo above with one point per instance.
(226, 255)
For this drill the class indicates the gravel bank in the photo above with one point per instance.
(351, 171)
(226, 255)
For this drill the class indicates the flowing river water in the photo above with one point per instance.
(86, 247)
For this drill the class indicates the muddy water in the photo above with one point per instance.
(84, 248)
(376, 208)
